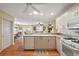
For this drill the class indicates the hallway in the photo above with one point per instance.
(17, 50)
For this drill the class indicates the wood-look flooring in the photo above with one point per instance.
(17, 50)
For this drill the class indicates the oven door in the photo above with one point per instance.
(66, 50)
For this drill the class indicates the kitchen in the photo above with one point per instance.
(39, 28)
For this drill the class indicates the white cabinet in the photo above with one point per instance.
(52, 42)
(28, 42)
(58, 45)
(41, 42)
(45, 42)
(38, 43)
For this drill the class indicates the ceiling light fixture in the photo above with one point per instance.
(35, 12)
(51, 14)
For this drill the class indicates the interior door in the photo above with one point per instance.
(6, 33)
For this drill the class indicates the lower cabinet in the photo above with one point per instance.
(39, 42)
(29, 42)
(52, 42)
(45, 42)
(58, 44)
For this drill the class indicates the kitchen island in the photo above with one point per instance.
(40, 41)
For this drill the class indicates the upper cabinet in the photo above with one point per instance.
(68, 17)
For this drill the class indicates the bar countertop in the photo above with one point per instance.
(42, 34)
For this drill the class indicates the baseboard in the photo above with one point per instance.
(29, 49)
(39, 49)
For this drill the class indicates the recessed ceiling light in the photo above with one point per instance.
(30, 14)
(35, 12)
(41, 14)
(51, 14)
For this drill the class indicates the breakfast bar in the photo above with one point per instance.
(39, 41)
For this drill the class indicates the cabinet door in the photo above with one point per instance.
(29, 43)
(37, 42)
(52, 43)
(41, 42)
(58, 46)
(44, 42)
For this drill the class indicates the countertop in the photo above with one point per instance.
(42, 34)
(48, 34)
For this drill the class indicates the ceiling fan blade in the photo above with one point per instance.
(35, 8)
(26, 8)
(30, 5)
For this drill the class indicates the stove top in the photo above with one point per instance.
(75, 40)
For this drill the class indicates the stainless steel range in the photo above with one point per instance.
(70, 47)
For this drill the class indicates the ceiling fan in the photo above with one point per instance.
(30, 5)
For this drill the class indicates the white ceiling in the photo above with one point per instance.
(17, 10)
